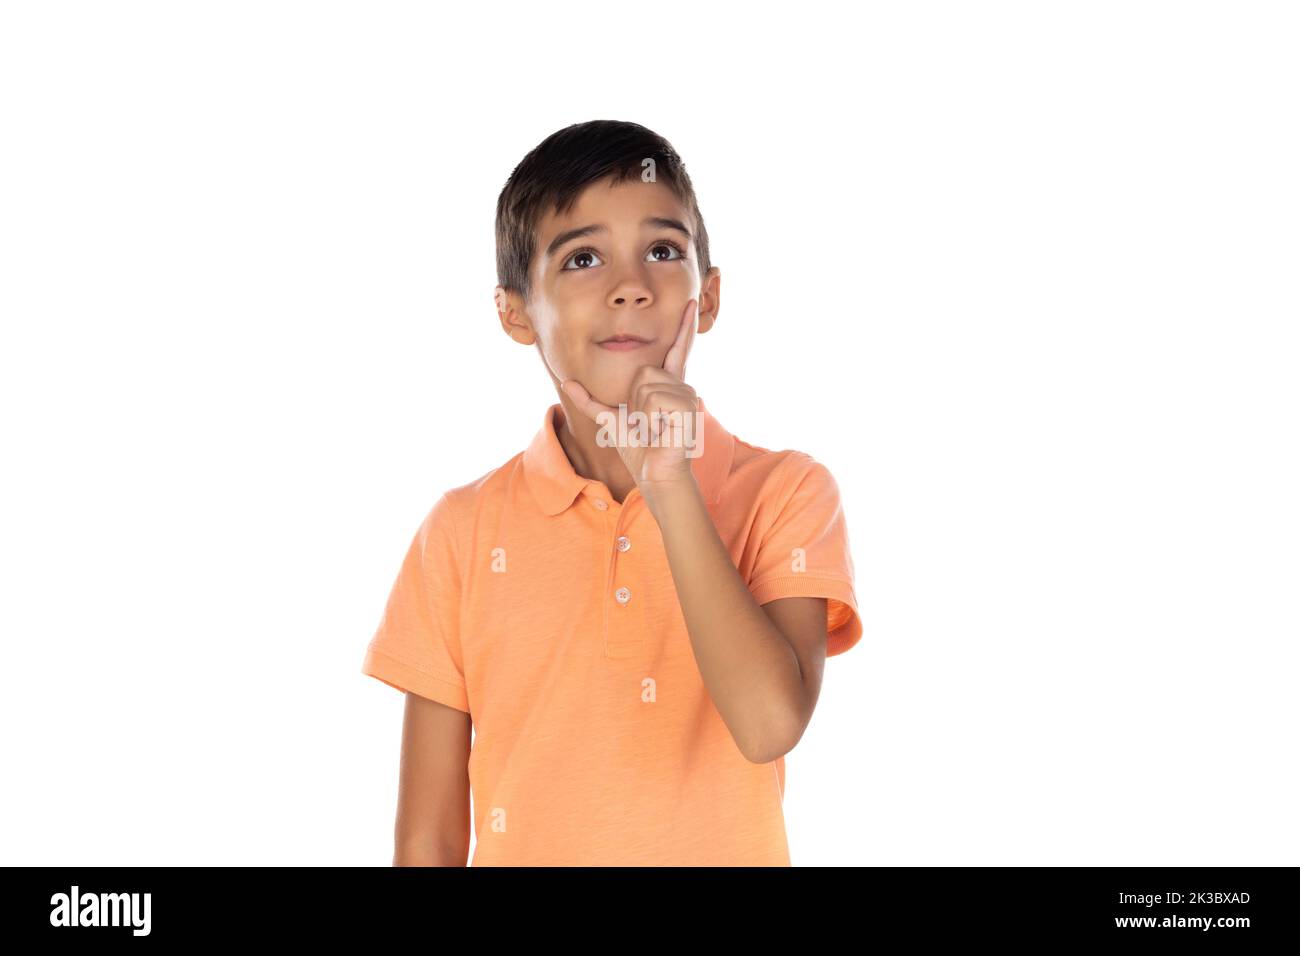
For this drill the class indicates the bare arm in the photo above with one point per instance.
(762, 665)
(433, 822)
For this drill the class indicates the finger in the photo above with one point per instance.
(582, 398)
(666, 404)
(656, 382)
(675, 360)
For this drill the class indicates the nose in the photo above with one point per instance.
(631, 288)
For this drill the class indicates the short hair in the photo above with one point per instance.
(561, 166)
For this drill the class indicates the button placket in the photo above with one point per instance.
(623, 638)
(622, 543)
(623, 594)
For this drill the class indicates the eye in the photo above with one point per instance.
(667, 244)
(590, 253)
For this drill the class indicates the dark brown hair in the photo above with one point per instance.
(557, 170)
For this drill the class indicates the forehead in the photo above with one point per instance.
(615, 205)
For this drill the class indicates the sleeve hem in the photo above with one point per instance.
(407, 677)
(844, 625)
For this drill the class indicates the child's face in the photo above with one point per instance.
(629, 276)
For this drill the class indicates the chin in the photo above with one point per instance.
(613, 397)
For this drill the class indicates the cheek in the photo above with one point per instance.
(565, 349)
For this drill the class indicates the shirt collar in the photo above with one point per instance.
(555, 484)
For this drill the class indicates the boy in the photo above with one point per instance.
(632, 613)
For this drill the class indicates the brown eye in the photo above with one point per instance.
(583, 253)
(671, 247)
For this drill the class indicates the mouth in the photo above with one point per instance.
(624, 343)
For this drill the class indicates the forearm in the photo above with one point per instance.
(748, 666)
(446, 850)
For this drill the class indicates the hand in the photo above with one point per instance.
(656, 447)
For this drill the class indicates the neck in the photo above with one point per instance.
(577, 435)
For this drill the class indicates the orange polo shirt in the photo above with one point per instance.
(546, 610)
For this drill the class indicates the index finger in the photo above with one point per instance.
(675, 360)
(588, 405)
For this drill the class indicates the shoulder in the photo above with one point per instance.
(493, 485)
(774, 476)
(470, 495)
(457, 507)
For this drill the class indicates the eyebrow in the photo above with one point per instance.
(659, 222)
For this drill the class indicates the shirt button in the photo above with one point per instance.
(623, 543)
(622, 595)
(599, 504)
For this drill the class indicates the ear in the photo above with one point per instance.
(710, 299)
(514, 320)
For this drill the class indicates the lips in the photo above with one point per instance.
(623, 342)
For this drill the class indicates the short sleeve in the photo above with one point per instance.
(804, 550)
(417, 645)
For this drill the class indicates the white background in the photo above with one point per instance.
(1023, 276)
